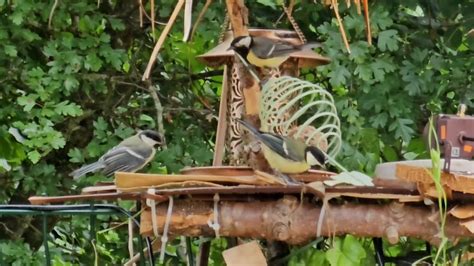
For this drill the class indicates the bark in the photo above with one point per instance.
(294, 223)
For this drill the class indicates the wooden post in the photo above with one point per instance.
(238, 15)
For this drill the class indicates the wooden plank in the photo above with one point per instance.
(125, 180)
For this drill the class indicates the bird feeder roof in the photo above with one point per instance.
(219, 55)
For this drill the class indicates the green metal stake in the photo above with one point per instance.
(92, 223)
(139, 237)
(189, 251)
(45, 240)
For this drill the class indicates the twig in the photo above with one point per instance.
(357, 3)
(162, 39)
(200, 16)
(140, 12)
(143, 12)
(152, 14)
(9, 231)
(51, 13)
(367, 21)
(291, 6)
(159, 110)
(188, 17)
(222, 122)
(341, 27)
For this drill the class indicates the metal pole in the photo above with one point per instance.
(92, 223)
(189, 251)
(45, 240)
(140, 244)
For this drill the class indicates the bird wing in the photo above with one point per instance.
(294, 148)
(125, 159)
(278, 144)
(267, 48)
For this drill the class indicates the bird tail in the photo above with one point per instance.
(250, 128)
(89, 168)
(310, 46)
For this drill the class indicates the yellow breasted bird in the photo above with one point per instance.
(266, 52)
(285, 154)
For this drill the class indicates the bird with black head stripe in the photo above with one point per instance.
(130, 155)
(266, 52)
(285, 154)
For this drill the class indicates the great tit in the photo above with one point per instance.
(285, 154)
(130, 155)
(266, 52)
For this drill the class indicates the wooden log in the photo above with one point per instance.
(293, 222)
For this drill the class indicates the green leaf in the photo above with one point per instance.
(66, 108)
(17, 18)
(92, 62)
(71, 83)
(402, 128)
(364, 72)
(353, 178)
(380, 67)
(387, 40)
(116, 24)
(338, 75)
(349, 252)
(10, 50)
(379, 120)
(353, 249)
(269, 3)
(5, 165)
(34, 156)
(28, 101)
(390, 154)
(75, 156)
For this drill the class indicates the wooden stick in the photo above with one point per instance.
(126, 181)
(367, 21)
(200, 16)
(219, 147)
(162, 39)
(341, 27)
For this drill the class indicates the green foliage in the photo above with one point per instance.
(13, 250)
(74, 90)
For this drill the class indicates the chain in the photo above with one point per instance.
(295, 25)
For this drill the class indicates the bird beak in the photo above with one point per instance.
(230, 48)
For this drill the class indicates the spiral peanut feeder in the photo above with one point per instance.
(287, 102)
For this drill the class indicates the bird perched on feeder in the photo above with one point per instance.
(266, 52)
(285, 154)
(130, 155)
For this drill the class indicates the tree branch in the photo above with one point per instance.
(293, 222)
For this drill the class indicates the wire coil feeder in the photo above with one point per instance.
(287, 102)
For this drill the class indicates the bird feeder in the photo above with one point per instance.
(238, 100)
